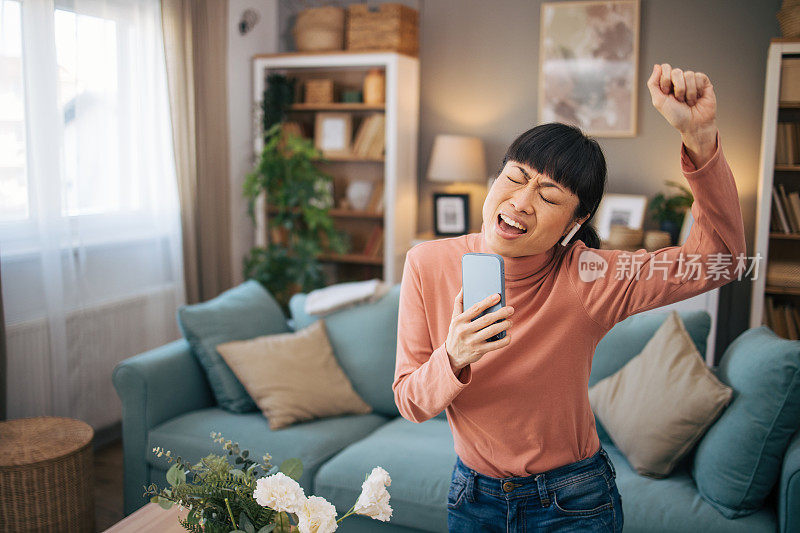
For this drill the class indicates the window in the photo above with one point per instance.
(14, 201)
(84, 131)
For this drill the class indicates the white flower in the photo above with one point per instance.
(374, 498)
(279, 492)
(317, 515)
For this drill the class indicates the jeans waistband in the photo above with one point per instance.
(541, 483)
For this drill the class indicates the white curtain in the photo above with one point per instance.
(89, 216)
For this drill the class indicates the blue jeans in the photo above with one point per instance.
(580, 496)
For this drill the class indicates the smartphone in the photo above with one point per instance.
(481, 276)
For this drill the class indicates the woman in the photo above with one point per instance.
(528, 455)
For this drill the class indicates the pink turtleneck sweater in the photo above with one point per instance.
(524, 408)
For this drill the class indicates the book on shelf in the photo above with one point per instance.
(792, 216)
(787, 147)
(794, 204)
(783, 318)
(378, 249)
(370, 137)
(373, 239)
(778, 207)
(375, 204)
(790, 324)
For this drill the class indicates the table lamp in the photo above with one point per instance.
(455, 159)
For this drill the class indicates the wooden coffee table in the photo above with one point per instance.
(151, 517)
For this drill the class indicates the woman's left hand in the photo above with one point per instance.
(685, 98)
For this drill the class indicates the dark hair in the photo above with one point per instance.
(572, 159)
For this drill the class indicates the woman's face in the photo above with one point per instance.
(541, 206)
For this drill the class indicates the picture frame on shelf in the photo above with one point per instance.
(621, 209)
(333, 133)
(450, 214)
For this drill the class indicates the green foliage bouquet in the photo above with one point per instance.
(249, 497)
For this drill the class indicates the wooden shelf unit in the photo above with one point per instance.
(396, 170)
(770, 244)
(344, 213)
(338, 106)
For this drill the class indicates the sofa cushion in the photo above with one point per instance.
(419, 459)
(243, 312)
(313, 442)
(673, 503)
(739, 460)
(629, 337)
(660, 403)
(293, 376)
(364, 340)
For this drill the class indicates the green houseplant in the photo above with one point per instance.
(299, 197)
(669, 210)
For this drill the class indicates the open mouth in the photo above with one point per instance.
(510, 225)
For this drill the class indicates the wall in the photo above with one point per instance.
(479, 64)
(262, 39)
(484, 58)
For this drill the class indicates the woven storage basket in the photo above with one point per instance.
(789, 18)
(46, 475)
(319, 29)
(655, 240)
(319, 91)
(392, 27)
(624, 237)
(783, 274)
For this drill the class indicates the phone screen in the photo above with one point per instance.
(481, 276)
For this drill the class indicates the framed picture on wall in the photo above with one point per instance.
(588, 65)
(621, 209)
(332, 133)
(450, 214)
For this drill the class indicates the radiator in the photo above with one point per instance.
(97, 339)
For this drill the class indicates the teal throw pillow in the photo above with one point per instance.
(243, 312)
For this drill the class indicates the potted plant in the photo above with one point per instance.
(669, 210)
(299, 196)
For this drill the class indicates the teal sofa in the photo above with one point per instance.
(167, 402)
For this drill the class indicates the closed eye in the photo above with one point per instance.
(548, 201)
(543, 198)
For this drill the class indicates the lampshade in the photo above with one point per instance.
(457, 158)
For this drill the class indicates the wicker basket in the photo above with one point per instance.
(783, 274)
(319, 29)
(655, 240)
(789, 18)
(392, 27)
(46, 475)
(624, 237)
(319, 91)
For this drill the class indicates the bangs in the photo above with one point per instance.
(563, 153)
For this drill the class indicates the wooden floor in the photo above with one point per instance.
(108, 485)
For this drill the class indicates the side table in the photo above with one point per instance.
(46, 475)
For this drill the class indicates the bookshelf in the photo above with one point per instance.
(775, 299)
(380, 233)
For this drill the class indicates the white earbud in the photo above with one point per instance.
(572, 232)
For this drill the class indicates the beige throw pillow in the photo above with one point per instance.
(660, 403)
(293, 376)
